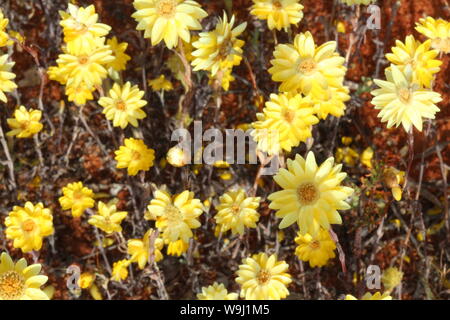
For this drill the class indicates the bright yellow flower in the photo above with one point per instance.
(86, 280)
(177, 248)
(89, 67)
(317, 250)
(216, 292)
(391, 278)
(330, 101)
(237, 211)
(79, 94)
(160, 83)
(417, 55)
(6, 85)
(4, 38)
(28, 225)
(168, 19)
(120, 270)
(139, 250)
(220, 47)
(393, 179)
(81, 29)
(278, 13)
(76, 198)
(57, 74)
(263, 278)
(303, 66)
(346, 155)
(25, 123)
(175, 215)
(353, 2)
(369, 296)
(124, 105)
(402, 101)
(311, 194)
(222, 78)
(366, 157)
(290, 116)
(266, 136)
(18, 281)
(121, 58)
(108, 218)
(177, 157)
(134, 156)
(436, 30)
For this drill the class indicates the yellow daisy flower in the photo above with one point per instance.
(28, 225)
(56, 73)
(391, 278)
(139, 250)
(393, 179)
(160, 83)
(369, 296)
(18, 281)
(402, 101)
(311, 194)
(216, 292)
(266, 136)
(134, 156)
(291, 116)
(175, 215)
(89, 67)
(124, 105)
(237, 211)
(417, 55)
(86, 280)
(4, 38)
(108, 218)
(76, 198)
(177, 157)
(79, 94)
(220, 47)
(317, 250)
(263, 278)
(177, 248)
(330, 101)
(81, 29)
(25, 123)
(223, 78)
(278, 13)
(303, 66)
(118, 50)
(6, 85)
(120, 270)
(168, 19)
(438, 30)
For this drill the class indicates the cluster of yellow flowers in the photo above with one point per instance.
(407, 96)
(311, 88)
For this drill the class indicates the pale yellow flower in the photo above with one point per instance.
(139, 249)
(135, 156)
(76, 198)
(108, 218)
(317, 250)
(278, 13)
(216, 292)
(26, 123)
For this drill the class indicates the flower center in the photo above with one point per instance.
(236, 208)
(307, 193)
(405, 95)
(307, 66)
(289, 115)
(225, 49)
(173, 213)
(83, 59)
(314, 244)
(121, 105)
(25, 124)
(28, 225)
(263, 276)
(12, 285)
(166, 8)
(277, 5)
(135, 155)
